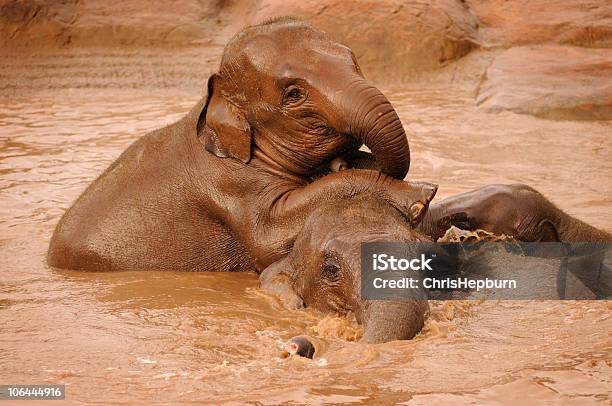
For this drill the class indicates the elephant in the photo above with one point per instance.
(229, 186)
(520, 211)
(516, 210)
(322, 271)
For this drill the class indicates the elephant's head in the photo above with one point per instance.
(323, 269)
(293, 98)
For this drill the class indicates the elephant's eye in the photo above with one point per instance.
(331, 269)
(294, 95)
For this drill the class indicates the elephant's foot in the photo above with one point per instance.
(300, 345)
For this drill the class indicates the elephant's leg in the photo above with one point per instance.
(516, 210)
(524, 213)
(275, 281)
(300, 345)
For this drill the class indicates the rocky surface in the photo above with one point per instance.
(44, 23)
(392, 38)
(544, 58)
(556, 82)
(586, 23)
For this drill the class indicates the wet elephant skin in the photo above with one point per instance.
(227, 187)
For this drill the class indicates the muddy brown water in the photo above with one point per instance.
(137, 337)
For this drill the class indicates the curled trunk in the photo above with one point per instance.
(573, 230)
(374, 122)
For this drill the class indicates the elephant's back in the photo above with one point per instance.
(142, 213)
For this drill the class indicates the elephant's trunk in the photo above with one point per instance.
(573, 230)
(388, 320)
(374, 122)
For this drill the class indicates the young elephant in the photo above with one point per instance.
(322, 270)
(227, 187)
(514, 210)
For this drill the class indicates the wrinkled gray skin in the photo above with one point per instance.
(227, 187)
(524, 213)
(322, 270)
(515, 210)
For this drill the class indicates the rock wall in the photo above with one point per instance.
(394, 37)
(534, 74)
(532, 46)
(555, 82)
(60, 23)
(584, 23)
(390, 37)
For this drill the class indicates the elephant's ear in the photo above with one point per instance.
(274, 279)
(547, 232)
(222, 127)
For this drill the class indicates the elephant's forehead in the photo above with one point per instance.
(262, 53)
(311, 65)
(348, 245)
(361, 227)
(297, 58)
(345, 231)
(353, 240)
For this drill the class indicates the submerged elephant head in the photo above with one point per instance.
(323, 269)
(289, 95)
